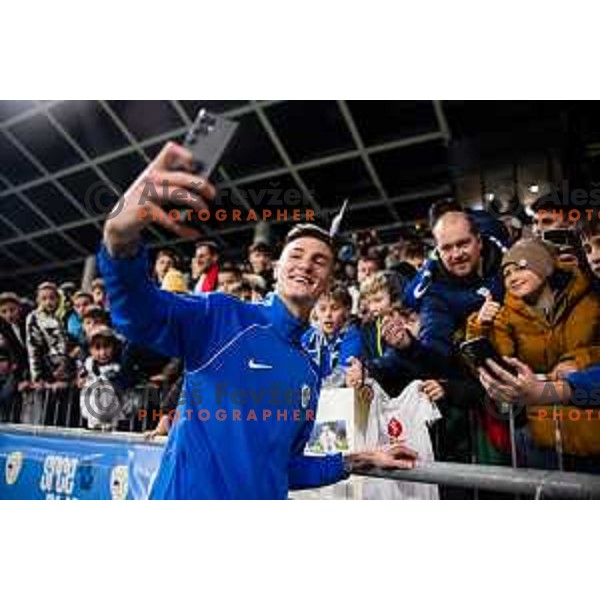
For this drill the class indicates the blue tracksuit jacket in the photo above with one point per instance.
(587, 381)
(334, 352)
(248, 394)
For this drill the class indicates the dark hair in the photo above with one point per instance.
(372, 254)
(309, 230)
(96, 312)
(230, 267)
(413, 249)
(551, 200)
(214, 248)
(260, 247)
(170, 253)
(589, 227)
(340, 294)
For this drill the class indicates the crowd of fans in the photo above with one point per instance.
(396, 313)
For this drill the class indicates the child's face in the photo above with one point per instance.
(102, 350)
(80, 304)
(99, 295)
(399, 327)
(227, 281)
(591, 247)
(365, 269)
(331, 315)
(47, 300)
(522, 282)
(90, 323)
(9, 311)
(379, 303)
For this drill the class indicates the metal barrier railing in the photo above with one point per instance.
(528, 482)
(51, 408)
(61, 408)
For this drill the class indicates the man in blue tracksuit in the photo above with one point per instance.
(250, 389)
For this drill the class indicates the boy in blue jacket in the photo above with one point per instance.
(250, 389)
(334, 339)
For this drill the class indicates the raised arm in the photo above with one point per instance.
(142, 312)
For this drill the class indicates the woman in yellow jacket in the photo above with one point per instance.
(550, 320)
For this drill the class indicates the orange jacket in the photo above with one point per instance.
(570, 332)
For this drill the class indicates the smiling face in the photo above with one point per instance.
(304, 272)
(458, 246)
(522, 282)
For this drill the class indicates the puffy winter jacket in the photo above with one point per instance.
(570, 332)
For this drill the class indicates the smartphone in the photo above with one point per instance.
(476, 351)
(207, 140)
(561, 237)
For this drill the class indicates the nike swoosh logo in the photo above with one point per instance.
(254, 365)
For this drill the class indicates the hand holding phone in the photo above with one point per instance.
(207, 140)
(476, 351)
(136, 210)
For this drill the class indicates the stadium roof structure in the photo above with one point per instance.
(63, 164)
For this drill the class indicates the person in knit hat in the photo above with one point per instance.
(549, 321)
(532, 254)
(549, 315)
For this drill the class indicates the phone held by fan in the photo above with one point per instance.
(475, 352)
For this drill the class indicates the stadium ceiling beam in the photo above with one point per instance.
(12, 256)
(351, 124)
(34, 161)
(221, 170)
(163, 137)
(30, 112)
(290, 166)
(323, 161)
(24, 237)
(368, 204)
(32, 207)
(442, 121)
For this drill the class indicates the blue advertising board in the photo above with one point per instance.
(44, 463)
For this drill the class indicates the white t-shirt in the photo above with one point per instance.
(409, 415)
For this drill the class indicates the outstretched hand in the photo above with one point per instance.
(397, 456)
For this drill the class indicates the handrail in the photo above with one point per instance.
(531, 482)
